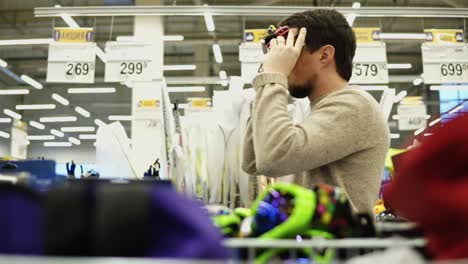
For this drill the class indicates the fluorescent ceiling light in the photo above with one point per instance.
(217, 53)
(419, 131)
(31, 81)
(74, 140)
(139, 39)
(120, 117)
(434, 122)
(394, 136)
(3, 63)
(77, 129)
(173, 38)
(60, 99)
(396, 117)
(356, 5)
(35, 107)
(4, 134)
(12, 114)
(456, 109)
(417, 81)
(41, 137)
(428, 134)
(420, 36)
(127, 39)
(87, 136)
(14, 91)
(5, 120)
(99, 122)
(184, 89)
(14, 42)
(448, 87)
(57, 133)
(399, 66)
(90, 90)
(373, 87)
(210, 26)
(58, 119)
(36, 125)
(82, 111)
(57, 144)
(222, 75)
(188, 67)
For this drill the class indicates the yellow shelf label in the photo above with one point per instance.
(153, 103)
(254, 35)
(73, 35)
(441, 36)
(367, 34)
(199, 102)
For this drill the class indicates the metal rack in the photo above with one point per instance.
(350, 247)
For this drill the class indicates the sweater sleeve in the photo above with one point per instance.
(248, 162)
(337, 128)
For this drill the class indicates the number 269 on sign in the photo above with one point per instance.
(79, 69)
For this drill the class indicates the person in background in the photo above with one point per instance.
(430, 188)
(345, 139)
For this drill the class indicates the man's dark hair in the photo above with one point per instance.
(327, 26)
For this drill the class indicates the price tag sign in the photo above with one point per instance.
(128, 61)
(71, 62)
(445, 63)
(370, 64)
(251, 57)
(412, 116)
(453, 72)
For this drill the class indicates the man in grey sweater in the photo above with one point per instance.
(345, 139)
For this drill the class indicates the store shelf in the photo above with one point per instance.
(349, 243)
(244, 11)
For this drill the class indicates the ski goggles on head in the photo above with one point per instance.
(273, 33)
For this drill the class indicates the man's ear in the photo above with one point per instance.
(327, 54)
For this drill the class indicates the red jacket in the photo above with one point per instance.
(430, 188)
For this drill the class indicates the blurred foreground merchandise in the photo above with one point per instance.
(430, 188)
(102, 218)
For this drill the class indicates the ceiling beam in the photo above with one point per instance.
(244, 11)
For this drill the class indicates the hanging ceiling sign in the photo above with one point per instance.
(411, 116)
(128, 61)
(445, 57)
(370, 60)
(367, 35)
(73, 35)
(71, 62)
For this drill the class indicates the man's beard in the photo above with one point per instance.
(300, 91)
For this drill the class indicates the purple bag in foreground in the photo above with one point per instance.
(20, 221)
(182, 228)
